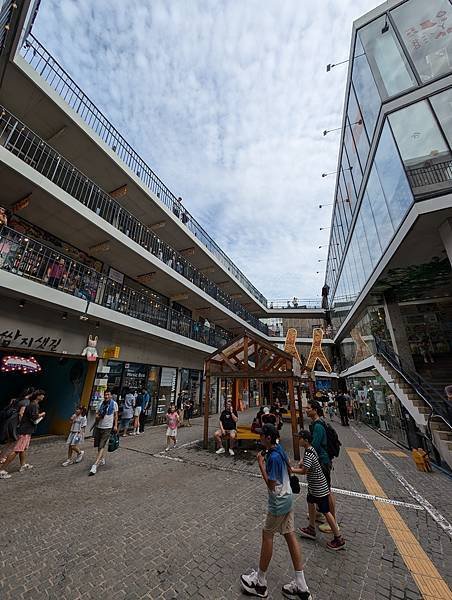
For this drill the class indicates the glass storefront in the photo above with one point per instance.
(190, 388)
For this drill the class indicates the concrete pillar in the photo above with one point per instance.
(397, 330)
(445, 232)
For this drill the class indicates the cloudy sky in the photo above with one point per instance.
(226, 101)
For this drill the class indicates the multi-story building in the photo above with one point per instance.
(94, 244)
(389, 262)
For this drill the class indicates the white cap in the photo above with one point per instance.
(266, 410)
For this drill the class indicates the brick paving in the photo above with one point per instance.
(150, 527)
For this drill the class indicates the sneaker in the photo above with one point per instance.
(291, 590)
(4, 474)
(93, 470)
(336, 544)
(251, 586)
(167, 449)
(231, 452)
(80, 456)
(325, 528)
(102, 463)
(138, 433)
(220, 451)
(67, 462)
(307, 532)
(25, 467)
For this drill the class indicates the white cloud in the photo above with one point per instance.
(226, 101)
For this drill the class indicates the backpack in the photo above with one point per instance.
(333, 444)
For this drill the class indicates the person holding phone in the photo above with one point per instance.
(227, 430)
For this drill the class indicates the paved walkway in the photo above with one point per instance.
(186, 524)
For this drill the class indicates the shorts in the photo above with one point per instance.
(171, 432)
(74, 435)
(326, 468)
(137, 411)
(22, 443)
(101, 437)
(282, 524)
(323, 503)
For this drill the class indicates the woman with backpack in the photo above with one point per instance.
(31, 417)
(9, 421)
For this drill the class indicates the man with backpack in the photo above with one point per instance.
(327, 445)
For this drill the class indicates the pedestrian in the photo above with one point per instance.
(189, 406)
(276, 409)
(268, 418)
(106, 422)
(138, 409)
(180, 407)
(274, 467)
(9, 421)
(146, 398)
(56, 273)
(27, 426)
(128, 406)
(343, 408)
(227, 430)
(318, 493)
(76, 436)
(172, 422)
(331, 409)
(320, 443)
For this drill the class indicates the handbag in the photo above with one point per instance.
(113, 442)
(76, 439)
(293, 480)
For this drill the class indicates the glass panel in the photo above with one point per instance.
(349, 189)
(371, 230)
(380, 211)
(358, 130)
(363, 247)
(442, 103)
(425, 27)
(387, 62)
(424, 150)
(353, 158)
(392, 176)
(366, 90)
(167, 392)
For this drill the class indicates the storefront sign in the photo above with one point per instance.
(116, 275)
(22, 364)
(15, 338)
(111, 352)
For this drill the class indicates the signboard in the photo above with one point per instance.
(111, 352)
(116, 275)
(21, 364)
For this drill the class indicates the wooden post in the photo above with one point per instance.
(206, 413)
(293, 420)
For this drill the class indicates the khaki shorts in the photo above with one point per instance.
(282, 524)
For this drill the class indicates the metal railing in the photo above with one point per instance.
(27, 146)
(431, 174)
(33, 260)
(438, 405)
(293, 303)
(61, 82)
(6, 10)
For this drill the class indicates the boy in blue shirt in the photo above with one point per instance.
(274, 467)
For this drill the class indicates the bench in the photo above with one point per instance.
(287, 416)
(244, 433)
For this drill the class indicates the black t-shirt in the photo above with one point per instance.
(227, 421)
(341, 402)
(268, 418)
(27, 426)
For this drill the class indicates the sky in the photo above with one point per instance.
(226, 101)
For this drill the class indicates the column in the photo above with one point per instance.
(445, 232)
(399, 338)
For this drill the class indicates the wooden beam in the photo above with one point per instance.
(228, 362)
(293, 420)
(187, 251)
(206, 413)
(245, 351)
(119, 192)
(102, 247)
(21, 204)
(157, 226)
(146, 277)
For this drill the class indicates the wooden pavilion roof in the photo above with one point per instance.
(249, 356)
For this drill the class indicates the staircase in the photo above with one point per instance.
(431, 412)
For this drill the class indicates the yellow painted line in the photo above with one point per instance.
(397, 453)
(427, 578)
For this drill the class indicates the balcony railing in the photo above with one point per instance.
(431, 175)
(23, 143)
(6, 10)
(54, 74)
(35, 261)
(294, 303)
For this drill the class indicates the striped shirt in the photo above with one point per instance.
(317, 483)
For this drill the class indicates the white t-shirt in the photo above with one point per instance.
(108, 420)
(78, 423)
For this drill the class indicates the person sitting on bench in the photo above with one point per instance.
(228, 428)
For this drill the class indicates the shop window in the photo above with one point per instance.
(425, 27)
(386, 59)
(365, 88)
(167, 392)
(442, 104)
(392, 177)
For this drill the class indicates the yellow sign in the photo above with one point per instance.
(111, 352)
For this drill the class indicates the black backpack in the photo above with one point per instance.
(333, 444)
